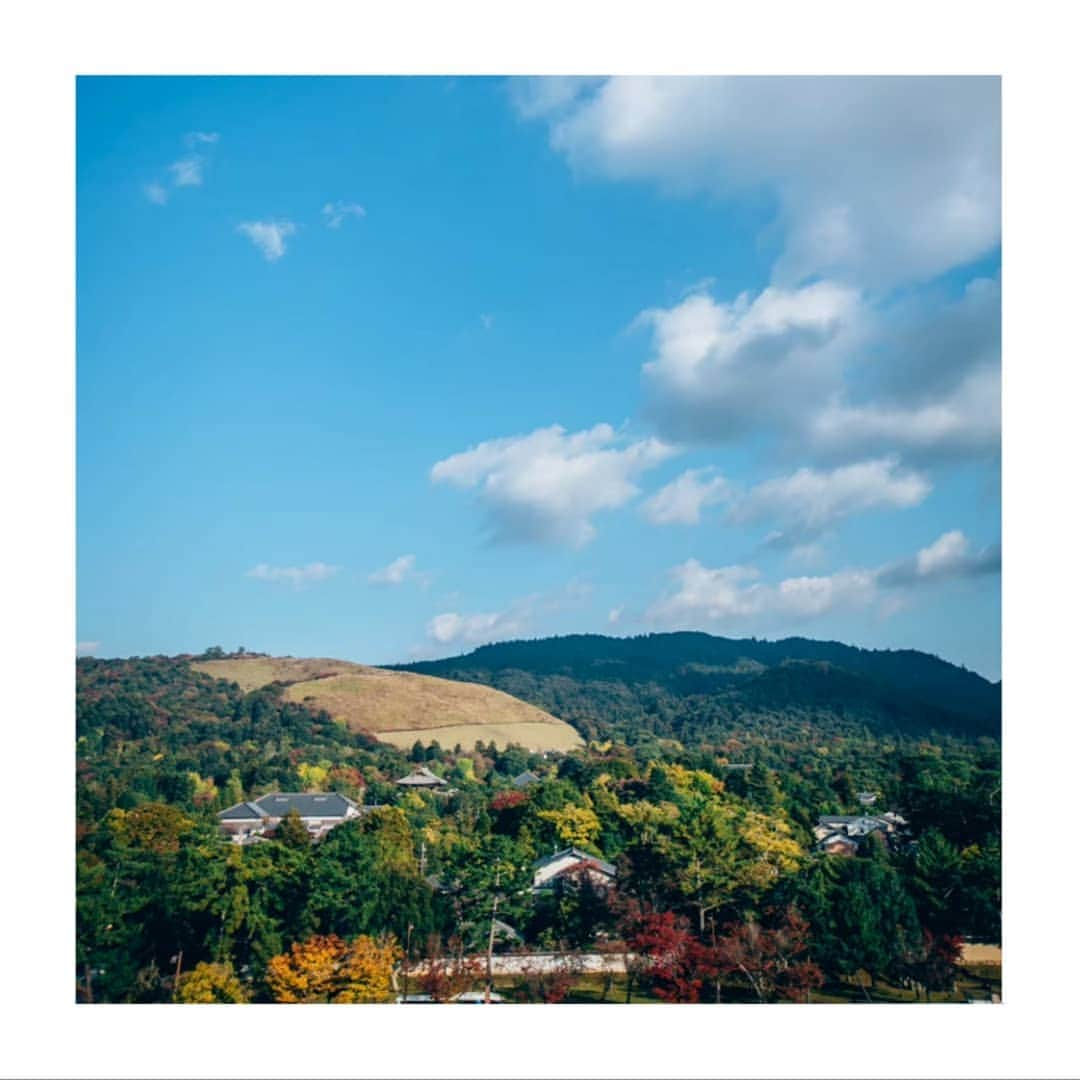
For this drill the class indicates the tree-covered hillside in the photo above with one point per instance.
(703, 689)
(714, 865)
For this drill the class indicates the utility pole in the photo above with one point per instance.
(491, 939)
(405, 966)
(176, 978)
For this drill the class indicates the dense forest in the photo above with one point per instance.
(721, 893)
(699, 688)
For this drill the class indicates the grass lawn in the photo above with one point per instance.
(589, 990)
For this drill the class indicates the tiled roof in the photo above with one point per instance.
(579, 856)
(421, 777)
(308, 804)
(243, 811)
(526, 778)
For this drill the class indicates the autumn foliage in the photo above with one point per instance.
(444, 977)
(670, 957)
(549, 982)
(325, 968)
(773, 961)
(210, 984)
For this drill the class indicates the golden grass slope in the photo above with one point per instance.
(400, 707)
(251, 672)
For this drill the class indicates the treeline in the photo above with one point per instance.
(698, 688)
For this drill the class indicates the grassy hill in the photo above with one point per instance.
(698, 688)
(400, 707)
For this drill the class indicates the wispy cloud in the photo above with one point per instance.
(87, 648)
(188, 172)
(201, 138)
(809, 500)
(184, 173)
(268, 236)
(399, 571)
(293, 575)
(335, 213)
(487, 321)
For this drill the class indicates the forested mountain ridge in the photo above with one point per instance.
(700, 688)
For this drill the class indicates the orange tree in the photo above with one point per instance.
(327, 968)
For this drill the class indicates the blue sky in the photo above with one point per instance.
(386, 368)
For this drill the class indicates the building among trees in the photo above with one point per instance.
(319, 812)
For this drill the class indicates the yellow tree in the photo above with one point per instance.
(577, 826)
(153, 827)
(308, 971)
(367, 971)
(326, 968)
(210, 984)
(313, 777)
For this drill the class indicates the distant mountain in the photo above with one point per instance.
(701, 688)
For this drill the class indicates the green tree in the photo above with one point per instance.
(292, 832)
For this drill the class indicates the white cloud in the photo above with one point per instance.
(810, 500)
(819, 370)
(949, 556)
(877, 179)
(452, 628)
(156, 193)
(681, 501)
(87, 648)
(335, 213)
(965, 422)
(188, 172)
(614, 615)
(546, 486)
(946, 553)
(524, 616)
(268, 236)
(398, 572)
(701, 595)
(719, 369)
(201, 138)
(704, 594)
(544, 97)
(293, 575)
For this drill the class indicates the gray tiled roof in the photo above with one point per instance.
(243, 811)
(308, 804)
(526, 778)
